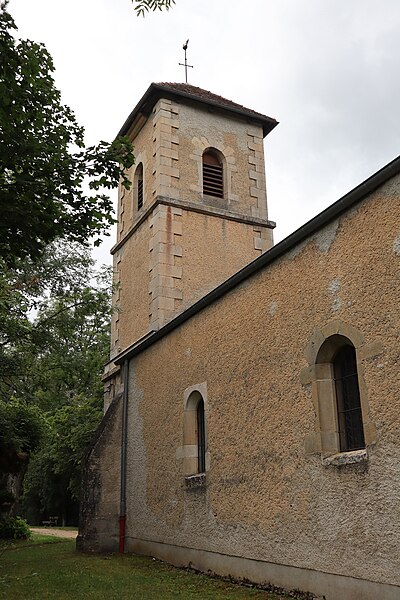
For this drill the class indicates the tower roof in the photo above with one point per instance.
(156, 91)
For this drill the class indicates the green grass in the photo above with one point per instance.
(36, 569)
(36, 538)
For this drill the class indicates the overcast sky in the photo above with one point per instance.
(327, 70)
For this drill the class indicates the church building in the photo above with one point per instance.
(252, 397)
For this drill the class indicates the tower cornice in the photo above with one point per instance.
(192, 207)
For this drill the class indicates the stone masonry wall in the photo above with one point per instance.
(99, 506)
(166, 168)
(165, 264)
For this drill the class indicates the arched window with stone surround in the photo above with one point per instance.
(337, 355)
(339, 395)
(213, 173)
(138, 186)
(194, 435)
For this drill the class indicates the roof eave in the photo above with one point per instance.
(156, 91)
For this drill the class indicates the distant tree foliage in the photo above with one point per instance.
(43, 163)
(143, 6)
(54, 340)
(21, 431)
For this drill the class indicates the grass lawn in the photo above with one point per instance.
(45, 567)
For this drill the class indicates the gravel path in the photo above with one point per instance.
(64, 533)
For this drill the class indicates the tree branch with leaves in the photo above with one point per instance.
(43, 162)
(144, 6)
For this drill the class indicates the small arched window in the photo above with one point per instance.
(350, 422)
(213, 175)
(201, 438)
(194, 435)
(138, 186)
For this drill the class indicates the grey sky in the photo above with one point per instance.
(328, 70)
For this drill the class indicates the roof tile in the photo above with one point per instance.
(201, 94)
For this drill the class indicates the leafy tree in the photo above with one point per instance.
(54, 310)
(143, 6)
(56, 345)
(41, 176)
(53, 481)
(69, 338)
(21, 427)
(62, 274)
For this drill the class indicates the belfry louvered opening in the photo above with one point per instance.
(140, 194)
(213, 176)
(139, 185)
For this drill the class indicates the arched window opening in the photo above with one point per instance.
(350, 423)
(213, 176)
(195, 438)
(201, 438)
(138, 186)
(343, 427)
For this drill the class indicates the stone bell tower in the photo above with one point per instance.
(197, 209)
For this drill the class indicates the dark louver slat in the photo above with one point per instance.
(140, 194)
(213, 180)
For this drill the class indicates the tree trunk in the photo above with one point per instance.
(15, 481)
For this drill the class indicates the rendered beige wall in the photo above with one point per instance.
(266, 498)
(130, 321)
(174, 258)
(213, 249)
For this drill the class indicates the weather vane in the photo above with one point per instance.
(185, 64)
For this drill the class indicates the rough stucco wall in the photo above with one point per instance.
(213, 249)
(133, 290)
(265, 499)
(99, 506)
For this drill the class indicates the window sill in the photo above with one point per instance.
(346, 458)
(195, 481)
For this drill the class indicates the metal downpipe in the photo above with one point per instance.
(122, 504)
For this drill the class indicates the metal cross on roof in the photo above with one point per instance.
(185, 64)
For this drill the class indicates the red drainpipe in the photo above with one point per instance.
(122, 521)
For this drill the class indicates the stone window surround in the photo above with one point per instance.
(319, 351)
(189, 451)
(226, 155)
